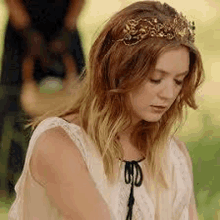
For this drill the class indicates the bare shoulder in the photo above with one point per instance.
(58, 164)
(53, 145)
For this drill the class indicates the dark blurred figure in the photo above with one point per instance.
(41, 40)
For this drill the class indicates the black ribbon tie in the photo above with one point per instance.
(134, 180)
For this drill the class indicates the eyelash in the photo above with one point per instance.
(179, 83)
(155, 81)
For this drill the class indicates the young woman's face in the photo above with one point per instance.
(155, 96)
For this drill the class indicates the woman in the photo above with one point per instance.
(108, 152)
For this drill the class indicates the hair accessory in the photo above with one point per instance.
(178, 28)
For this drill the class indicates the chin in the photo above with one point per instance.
(152, 118)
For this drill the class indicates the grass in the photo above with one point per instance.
(4, 207)
(3, 216)
(205, 154)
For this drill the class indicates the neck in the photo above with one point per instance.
(130, 151)
(126, 133)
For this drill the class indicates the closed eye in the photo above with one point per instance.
(158, 81)
(155, 81)
(179, 82)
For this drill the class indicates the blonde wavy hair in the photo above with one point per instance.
(114, 70)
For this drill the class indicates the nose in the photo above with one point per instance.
(168, 91)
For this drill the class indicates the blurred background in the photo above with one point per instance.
(201, 130)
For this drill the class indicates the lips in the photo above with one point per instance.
(158, 108)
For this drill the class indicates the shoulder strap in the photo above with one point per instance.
(74, 132)
(185, 151)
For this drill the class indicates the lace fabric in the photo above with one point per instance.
(143, 207)
(115, 196)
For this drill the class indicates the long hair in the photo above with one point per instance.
(114, 69)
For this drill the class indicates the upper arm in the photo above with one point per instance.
(58, 163)
(18, 14)
(74, 9)
(192, 207)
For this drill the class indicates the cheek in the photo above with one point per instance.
(142, 96)
(178, 91)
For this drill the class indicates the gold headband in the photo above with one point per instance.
(178, 28)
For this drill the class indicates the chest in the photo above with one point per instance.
(146, 199)
(145, 207)
(130, 152)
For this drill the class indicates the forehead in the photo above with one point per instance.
(174, 61)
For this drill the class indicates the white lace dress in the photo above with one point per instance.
(31, 202)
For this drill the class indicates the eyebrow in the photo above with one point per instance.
(166, 73)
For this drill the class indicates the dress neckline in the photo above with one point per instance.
(125, 161)
(133, 160)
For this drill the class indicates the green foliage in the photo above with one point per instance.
(5, 204)
(205, 154)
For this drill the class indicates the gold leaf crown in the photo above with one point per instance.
(178, 28)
